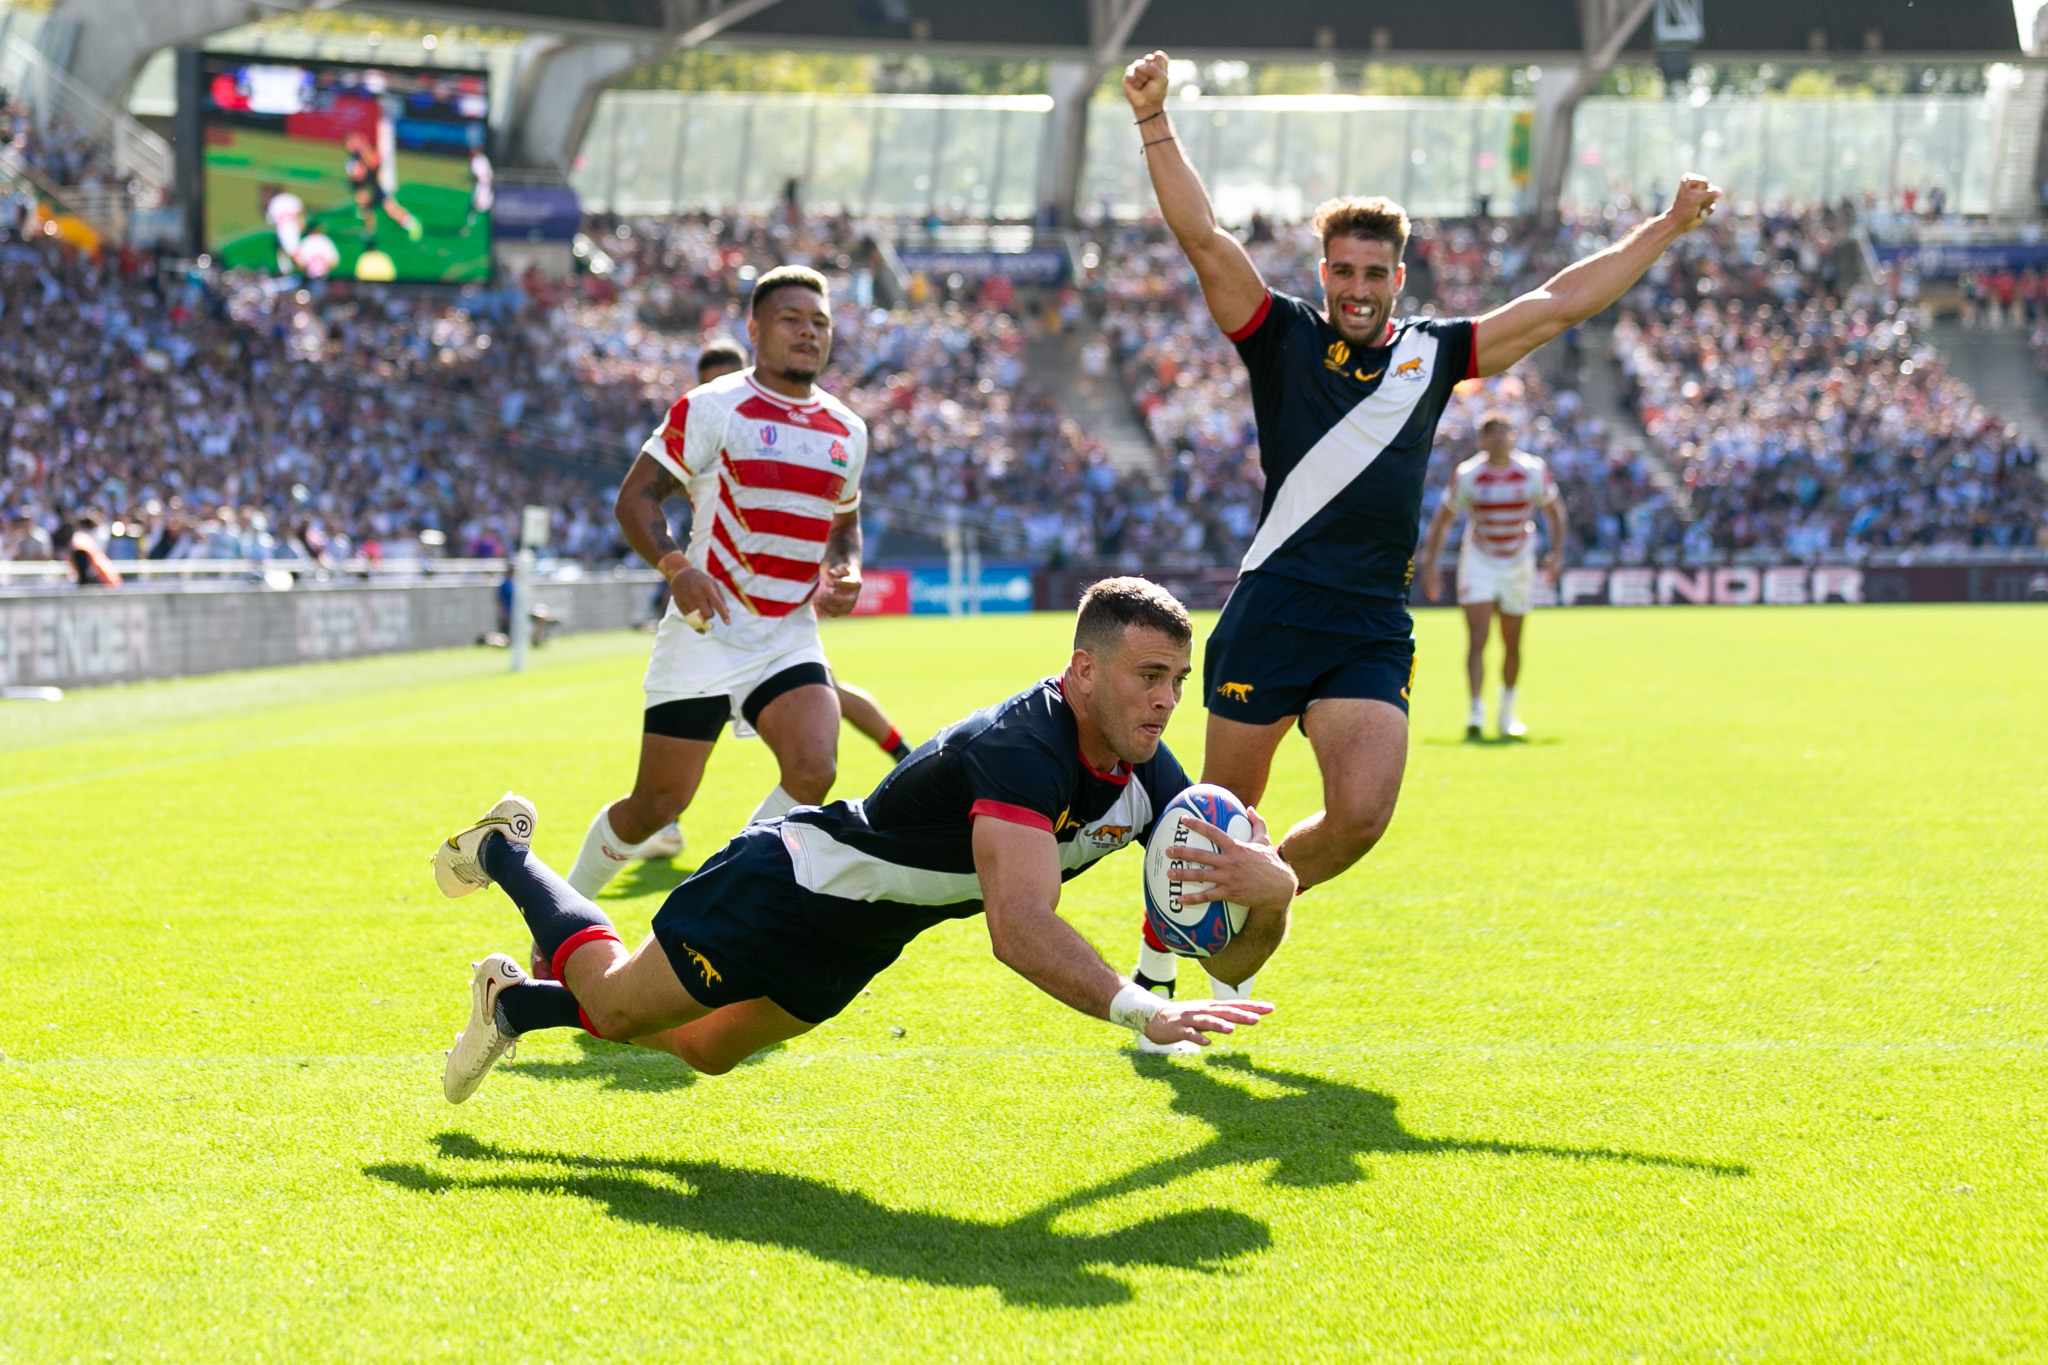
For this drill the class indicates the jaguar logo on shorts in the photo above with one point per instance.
(1235, 691)
(703, 964)
(768, 433)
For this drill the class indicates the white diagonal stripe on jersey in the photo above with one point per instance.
(832, 868)
(1346, 449)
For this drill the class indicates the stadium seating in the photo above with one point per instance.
(1792, 417)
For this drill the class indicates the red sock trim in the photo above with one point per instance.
(576, 940)
(1152, 938)
(588, 1027)
(891, 740)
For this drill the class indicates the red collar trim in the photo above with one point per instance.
(1119, 774)
(784, 399)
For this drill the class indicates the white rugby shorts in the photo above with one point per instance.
(729, 660)
(1509, 582)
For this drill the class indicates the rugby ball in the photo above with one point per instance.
(1205, 928)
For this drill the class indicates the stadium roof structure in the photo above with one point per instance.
(579, 47)
(1474, 31)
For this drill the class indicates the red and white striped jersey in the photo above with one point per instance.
(1500, 500)
(766, 475)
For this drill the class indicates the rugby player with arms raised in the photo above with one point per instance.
(1317, 631)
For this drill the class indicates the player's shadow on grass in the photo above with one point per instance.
(1316, 1132)
(1023, 1258)
(621, 1066)
(1490, 741)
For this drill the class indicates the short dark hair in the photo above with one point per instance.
(1371, 219)
(1494, 417)
(787, 277)
(1113, 605)
(720, 351)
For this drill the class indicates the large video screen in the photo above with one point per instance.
(345, 170)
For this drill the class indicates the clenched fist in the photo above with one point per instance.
(1145, 84)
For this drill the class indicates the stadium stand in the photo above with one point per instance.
(1792, 408)
(1801, 411)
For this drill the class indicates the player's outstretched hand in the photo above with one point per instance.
(1432, 583)
(1250, 874)
(697, 593)
(1191, 1021)
(1145, 84)
(838, 593)
(1693, 203)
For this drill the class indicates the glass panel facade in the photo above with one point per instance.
(978, 158)
(1785, 151)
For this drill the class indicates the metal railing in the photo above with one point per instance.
(141, 158)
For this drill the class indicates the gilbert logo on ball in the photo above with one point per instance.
(1204, 928)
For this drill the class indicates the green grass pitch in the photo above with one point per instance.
(1705, 1027)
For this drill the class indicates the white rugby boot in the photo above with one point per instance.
(665, 842)
(479, 1046)
(457, 869)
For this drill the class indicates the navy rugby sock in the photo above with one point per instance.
(561, 920)
(537, 1005)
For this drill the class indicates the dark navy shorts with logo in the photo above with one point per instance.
(1282, 644)
(740, 927)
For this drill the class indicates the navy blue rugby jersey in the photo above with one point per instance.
(904, 855)
(1344, 439)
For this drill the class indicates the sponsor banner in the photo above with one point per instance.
(1042, 265)
(883, 592)
(1949, 260)
(1800, 584)
(1003, 587)
(1723, 585)
(98, 635)
(535, 213)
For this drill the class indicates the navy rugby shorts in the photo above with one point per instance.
(1282, 644)
(740, 928)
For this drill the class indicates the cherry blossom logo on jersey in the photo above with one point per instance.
(768, 434)
(838, 453)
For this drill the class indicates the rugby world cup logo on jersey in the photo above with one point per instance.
(768, 434)
(1338, 356)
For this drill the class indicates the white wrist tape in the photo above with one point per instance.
(1133, 1007)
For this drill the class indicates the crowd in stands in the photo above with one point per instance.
(56, 147)
(1809, 420)
(954, 419)
(1189, 386)
(196, 417)
(1791, 408)
(179, 415)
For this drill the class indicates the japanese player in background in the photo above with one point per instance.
(1346, 398)
(1498, 490)
(771, 465)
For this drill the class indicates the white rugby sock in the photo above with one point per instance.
(1478, 712)
(777, 802)
(602, 855)
(1507, 703)
(1241, 991)
(1155, 964)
